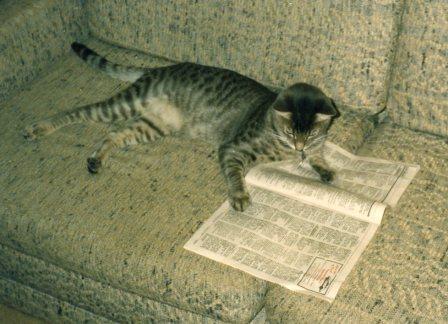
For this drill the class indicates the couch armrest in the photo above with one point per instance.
(33, 35)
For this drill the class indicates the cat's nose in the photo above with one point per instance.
(299, 146)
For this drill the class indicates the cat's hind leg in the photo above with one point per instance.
(160, 118)
(143, 130)
(122, 106)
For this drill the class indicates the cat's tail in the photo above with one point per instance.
(117, 71)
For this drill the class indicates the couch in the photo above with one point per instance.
(76, 247)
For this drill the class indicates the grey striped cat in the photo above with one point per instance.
(246, 121)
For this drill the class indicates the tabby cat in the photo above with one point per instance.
(244, 119)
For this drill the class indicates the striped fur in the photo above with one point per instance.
(130, 74)
(245, 120)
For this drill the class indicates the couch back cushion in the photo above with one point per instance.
(342, 46)
(419, 92)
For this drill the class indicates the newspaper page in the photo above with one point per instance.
(299, 232)
(373, 178)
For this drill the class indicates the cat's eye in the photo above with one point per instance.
(314, 132)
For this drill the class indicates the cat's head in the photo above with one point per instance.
(303, 113)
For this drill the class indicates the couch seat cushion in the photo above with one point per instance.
(402, 275)
(126, 226)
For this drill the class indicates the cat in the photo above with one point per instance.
(245, 120)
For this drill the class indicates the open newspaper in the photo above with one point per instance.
(299, 232)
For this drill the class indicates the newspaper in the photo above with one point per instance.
(299, 232)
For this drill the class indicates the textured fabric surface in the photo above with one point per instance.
(43, 306)
(345, 47)
(419, 90)
(125, 227)
(402, 275)
(425, 200)
(351, 128)
(33, 34)
(84, 295)
(11, 315)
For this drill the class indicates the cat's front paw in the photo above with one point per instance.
(239, 200)
(36, 130)
(93, 164)
(325, 174)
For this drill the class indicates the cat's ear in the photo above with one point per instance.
(336, 110)
(281, 108)
(330, 108)
(283, 114)
(279, 104)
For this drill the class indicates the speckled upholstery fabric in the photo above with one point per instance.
(42, 305)
(419, 90)
(65, 295)
(345, 47)
(402, 275)
(351, 129)
(122, 230)
(33, 34)
(11, 315)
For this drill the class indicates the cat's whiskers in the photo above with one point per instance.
(315, 141)
(282, 139)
